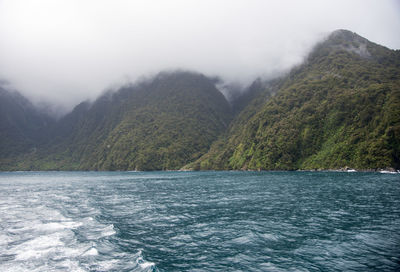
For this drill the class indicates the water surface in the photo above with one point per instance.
(199, 221)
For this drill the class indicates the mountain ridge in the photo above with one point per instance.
(338, 109)
(151, 125)
(322, 93)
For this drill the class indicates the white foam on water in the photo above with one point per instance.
(91, 252)
(67, 265)
(242, 240)
(58, 226)
(36, 237)
(52, 229)
(389, 172)
(268, 236)
(4, 239)
(37, 247)
(95, 231)
(147, 264)
(248, 238)
(144, 264)
(72, 251)
(108, 231)
(107, 265)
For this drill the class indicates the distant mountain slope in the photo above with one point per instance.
(339, 109)
(161, 123)
(22, 126)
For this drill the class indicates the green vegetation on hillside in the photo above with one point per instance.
(339, 109)
(21, 125)
(161, 123)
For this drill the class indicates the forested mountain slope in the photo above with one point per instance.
(160, 123)
(341, 108)
(22, 126)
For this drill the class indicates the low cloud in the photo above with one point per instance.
(64, 52)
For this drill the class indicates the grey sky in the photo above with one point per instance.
(68, 51)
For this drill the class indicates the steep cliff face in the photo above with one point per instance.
(340, 108)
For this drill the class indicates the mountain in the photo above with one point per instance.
(341, 108)
(160, 123)
(21, 126)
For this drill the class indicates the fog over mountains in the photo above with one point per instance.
(338, 109)
(64, 52)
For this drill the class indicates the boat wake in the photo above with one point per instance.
(41, 235)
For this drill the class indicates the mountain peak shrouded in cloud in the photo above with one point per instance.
(64, 52)
(338, 109)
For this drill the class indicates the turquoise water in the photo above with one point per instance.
(199, 221)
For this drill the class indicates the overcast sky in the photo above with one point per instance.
(68, 51)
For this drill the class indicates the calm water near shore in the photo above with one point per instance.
(199, 221)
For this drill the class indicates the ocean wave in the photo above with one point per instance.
(248, 222)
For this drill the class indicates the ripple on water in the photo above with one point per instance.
(44, 235)
(205, 221)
